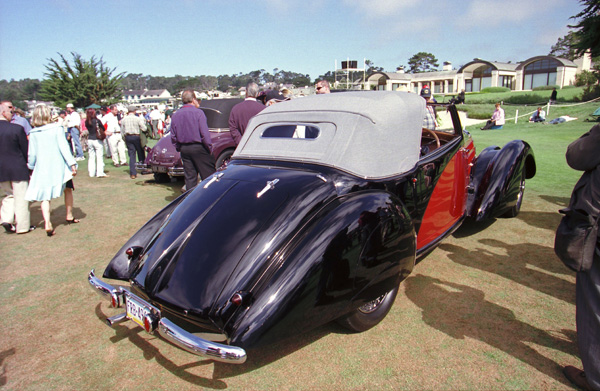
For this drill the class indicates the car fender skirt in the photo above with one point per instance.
(496, 178)
(356, 248)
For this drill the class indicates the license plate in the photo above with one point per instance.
(160, 169)
(136, 311)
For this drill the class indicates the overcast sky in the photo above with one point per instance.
(216, 37)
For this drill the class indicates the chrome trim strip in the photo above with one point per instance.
(270, 186)
(169, 330)
(201, 347)
(214, 178)
(175, 171)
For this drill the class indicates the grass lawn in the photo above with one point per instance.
(491, 308)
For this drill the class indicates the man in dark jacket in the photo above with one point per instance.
(584, 155)
(242, 112)
(14, 175)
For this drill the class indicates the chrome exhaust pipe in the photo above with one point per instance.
(113, 320)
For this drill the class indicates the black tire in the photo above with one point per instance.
(514, 211)
(223, 159)
(160, 177)
(370, 314)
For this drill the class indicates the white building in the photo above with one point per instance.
(147, 98)
(479, 74)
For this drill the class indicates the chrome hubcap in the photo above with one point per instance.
(372, 305)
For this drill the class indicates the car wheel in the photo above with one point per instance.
(223, 159)
(160, 177)
(514, 211)
(369, 314)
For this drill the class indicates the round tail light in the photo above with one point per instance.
(150, 323)
(237, 299)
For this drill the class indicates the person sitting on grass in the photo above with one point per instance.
(497, 120)
(538, 116)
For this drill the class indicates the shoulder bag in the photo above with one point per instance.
(100, 130)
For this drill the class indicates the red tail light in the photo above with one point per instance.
(150, 323)
(237, 299)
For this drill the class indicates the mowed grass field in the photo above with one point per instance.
(491, 308)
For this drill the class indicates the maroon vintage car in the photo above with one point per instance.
(165, 162)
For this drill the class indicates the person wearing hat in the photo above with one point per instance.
(73, 125)
(429, 121)
(242, 112)
(133, 126)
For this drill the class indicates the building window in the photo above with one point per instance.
(507, 81)
(482, 78)
(540, 73)
(468, 85)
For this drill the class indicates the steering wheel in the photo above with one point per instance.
(435, 136)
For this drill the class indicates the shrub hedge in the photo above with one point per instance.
(495, 89)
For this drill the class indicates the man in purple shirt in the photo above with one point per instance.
(243, 111)
(191, 137)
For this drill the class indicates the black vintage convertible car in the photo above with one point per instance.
(323, 211)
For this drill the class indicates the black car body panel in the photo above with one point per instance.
(292, 234)
(497, 174)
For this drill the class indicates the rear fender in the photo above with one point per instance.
(121, 267)
(496, 178)
(357, 248)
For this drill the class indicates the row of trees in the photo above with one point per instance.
(84, 82)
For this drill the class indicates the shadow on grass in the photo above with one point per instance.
(257, 358)
(470, 227)
(462, 312)
(151, 352)
(517, 264)
(544, 220)
(58, 215)
(260, 357)
(3, 356)
(561, 202)
(174, 186)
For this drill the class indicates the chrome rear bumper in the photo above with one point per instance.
(175, 171)
(143, 168)
(166, 328)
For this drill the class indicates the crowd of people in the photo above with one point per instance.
(38, 158)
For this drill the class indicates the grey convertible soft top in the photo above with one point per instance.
(371, 134)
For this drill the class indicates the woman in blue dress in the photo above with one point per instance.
(52, 163)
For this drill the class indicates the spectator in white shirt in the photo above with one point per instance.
(73, 125)
(113, 135)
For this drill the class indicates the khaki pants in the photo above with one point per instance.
(117, 149)
(14, 206)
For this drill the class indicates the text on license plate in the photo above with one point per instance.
(136, 311)
(159, 169)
